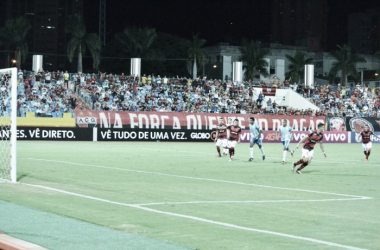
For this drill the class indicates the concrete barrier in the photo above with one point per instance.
(9, 243)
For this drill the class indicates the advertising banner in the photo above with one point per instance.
(354, 138)
(182, 135)
(155, 135)
(51, 134)
(186, 121)
(203, 136)
(356, 124)
(328, 137)
(337, 123)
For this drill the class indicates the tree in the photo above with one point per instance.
(136, 42)
(297, 66)
(345, 63)
(252, 56)
(195, 53)
(174, 51)
(166, 56)
(81, 40)
(14, 35)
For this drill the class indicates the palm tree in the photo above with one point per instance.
(81, 40)
(297, 65)
(196, 53)
(345, 63)
(137, 42)
(253, 58)
(14, 34)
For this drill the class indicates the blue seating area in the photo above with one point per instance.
(126, 93)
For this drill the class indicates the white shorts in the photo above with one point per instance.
(221, 143)
(307, 153)
(367, 146)
(231, 144)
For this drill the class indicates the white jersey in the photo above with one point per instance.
(286, 132)
(255, 130)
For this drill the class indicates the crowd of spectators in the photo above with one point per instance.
(43, 93)
(358, 101)
(180, 94)
(52, 94)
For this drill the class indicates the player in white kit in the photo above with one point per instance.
(286, 136)
(256, 138)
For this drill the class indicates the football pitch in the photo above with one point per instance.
(156, 195)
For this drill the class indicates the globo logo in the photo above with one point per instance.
(200, 135)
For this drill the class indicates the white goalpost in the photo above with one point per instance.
(8, 124)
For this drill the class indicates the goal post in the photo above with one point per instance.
(8, 123)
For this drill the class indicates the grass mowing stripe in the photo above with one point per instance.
(242, 202)
(316, 241)
(351, 162)
(202, 179)
(58, 232)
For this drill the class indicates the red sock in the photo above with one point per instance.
(302, 166)
(218, 149)
(232, 151)
(369, 152)
(298, 162)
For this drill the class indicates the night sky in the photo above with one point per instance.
(215, 20)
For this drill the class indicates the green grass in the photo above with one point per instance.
(184, 194)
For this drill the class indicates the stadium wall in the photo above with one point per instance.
(169, 135)
(286, 97)
(30, 120)
(191, 120)
(169, 126)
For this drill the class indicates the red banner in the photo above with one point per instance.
(269, 91)
(193, 121)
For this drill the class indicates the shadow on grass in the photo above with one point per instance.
(363, 175)
(20, 177)
(310, 171)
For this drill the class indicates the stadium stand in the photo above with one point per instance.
(108, 92)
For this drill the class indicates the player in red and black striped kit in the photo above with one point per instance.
(365, 136)
(221, 136)
(234, 132)
(308, 148)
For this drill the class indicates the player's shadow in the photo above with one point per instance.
(310, 171)
(363, 175)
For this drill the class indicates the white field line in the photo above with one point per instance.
(316, 241)
(242, 202)
(201, 179)
(351, 162)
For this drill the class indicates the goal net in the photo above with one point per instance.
(8, 124)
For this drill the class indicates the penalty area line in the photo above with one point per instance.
(183, 216)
